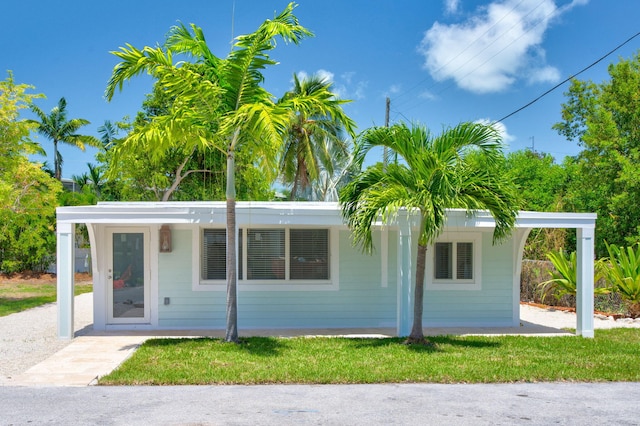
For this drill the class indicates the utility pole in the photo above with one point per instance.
(385, 153)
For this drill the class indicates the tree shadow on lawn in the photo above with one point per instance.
(261, 346)
(437, 343)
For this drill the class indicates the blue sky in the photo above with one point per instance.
(440, 62)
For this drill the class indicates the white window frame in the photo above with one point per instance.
(474, 284)
(286, 284)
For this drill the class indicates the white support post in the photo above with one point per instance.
(65, 274)
(584, 290)
(405, 295)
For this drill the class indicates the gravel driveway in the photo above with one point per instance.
(29, 337)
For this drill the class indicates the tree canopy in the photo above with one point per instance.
(604, 119)
(28, 195)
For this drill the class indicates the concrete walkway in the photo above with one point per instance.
(92, 354)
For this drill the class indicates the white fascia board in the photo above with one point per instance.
(289, 214)
(556, 220)
(247, 213)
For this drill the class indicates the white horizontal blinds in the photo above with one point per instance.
(309, 254)
(214, 254)
(443, 261)
(265, 254)
(464, 261)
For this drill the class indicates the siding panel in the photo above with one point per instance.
(360, 301)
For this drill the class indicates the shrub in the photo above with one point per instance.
(624, 275)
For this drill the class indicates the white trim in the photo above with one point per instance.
(473, 284)
(520, 237)
(332, 284)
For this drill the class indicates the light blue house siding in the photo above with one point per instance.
(361, 290)
(362, 299)
(491, 305)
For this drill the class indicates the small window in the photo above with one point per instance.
(309, 249)
(455, 262)
(448, 254)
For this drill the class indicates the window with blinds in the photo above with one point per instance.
(271, 254)
(464, 261)
(459, 254)
(214, 254)
(265, 254)
(309, 254)
(443, 261)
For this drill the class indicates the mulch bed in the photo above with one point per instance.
(569, 309)
(41, 277)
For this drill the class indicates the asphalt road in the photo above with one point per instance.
(419, 404)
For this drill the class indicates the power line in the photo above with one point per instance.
(567, 79)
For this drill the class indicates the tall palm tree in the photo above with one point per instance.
(434, 174)
(314, 138)
(58, 128)
(219, 103)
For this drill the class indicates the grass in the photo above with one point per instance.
(22, 295)
(611, 356)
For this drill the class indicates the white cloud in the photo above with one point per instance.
(360, 90)
(347, 76)
(544, 75)
(427, 95)
(325, 75)
(501, 128)
(491, 50)
(394, 89)
(451, 6)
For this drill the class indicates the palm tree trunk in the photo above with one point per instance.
(56, 164)
(418, 301)
(417, 335)
(232, 247)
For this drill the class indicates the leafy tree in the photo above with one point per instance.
(28, 195)
(434, 174)
(313, 142)
(58, 128)
(542, 186)
(220, 103)
(604, 119)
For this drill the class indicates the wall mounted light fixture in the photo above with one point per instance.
(165, 239)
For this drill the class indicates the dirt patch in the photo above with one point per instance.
(41, 278)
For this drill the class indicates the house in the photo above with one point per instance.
(161, 266)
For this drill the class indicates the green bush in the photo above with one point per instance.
(623, 273)
(563, 280)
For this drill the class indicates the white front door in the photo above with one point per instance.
(128, 276)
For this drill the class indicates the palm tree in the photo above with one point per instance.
(219, 103)
(313, 141)
(434, 174)
(58, 128)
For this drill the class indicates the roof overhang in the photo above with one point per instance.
(286, 213)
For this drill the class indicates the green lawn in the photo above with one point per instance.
(20, 296)
(611, 356)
